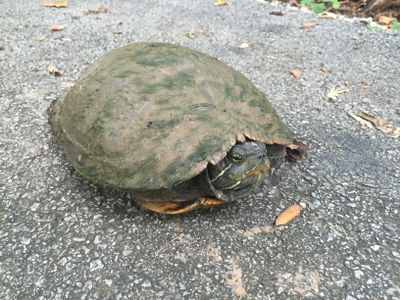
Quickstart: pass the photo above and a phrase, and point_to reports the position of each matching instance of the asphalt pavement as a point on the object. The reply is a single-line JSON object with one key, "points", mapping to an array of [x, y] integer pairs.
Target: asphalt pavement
{"points": [[62, 237]]}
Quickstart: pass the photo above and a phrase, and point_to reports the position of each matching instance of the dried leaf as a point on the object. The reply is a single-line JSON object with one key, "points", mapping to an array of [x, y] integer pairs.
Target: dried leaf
{"points": [[53, 70], [355, 37], [277, 13], [385, 20], [243, 45], [364, 85], [40, 38], [189, 35], [295, 151], [57, 27], [257, 230], [101, 10], [220, 2], [326, 70], [288, 214], [58, 4], [327, 16], [383, 126], [295, 73], [1, 46], [375, 6], [335, 91], [360, 120], [65, 39], [307, 26]]}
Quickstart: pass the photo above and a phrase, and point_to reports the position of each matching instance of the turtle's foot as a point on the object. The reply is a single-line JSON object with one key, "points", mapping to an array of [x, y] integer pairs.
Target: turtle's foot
{"points": [[178, 207]]}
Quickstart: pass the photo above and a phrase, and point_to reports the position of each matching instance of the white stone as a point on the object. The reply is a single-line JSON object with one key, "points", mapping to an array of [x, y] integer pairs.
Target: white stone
{"points": [[40, 282], [146, 283], [108, 282], [78, 239], [96, 265], [35, 206], [97, 240], [88, 285], [126, 252], [375, 247], [25, 241], [358, 274], [182, 286]]}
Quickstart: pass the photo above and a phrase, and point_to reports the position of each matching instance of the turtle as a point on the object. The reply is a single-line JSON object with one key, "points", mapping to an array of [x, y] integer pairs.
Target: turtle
{"points": [[176, 128]]}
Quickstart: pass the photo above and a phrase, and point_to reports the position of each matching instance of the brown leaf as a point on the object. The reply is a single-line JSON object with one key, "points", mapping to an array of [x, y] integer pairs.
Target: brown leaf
{"points": [[383, 126], [327, 16], [220, 2], [295, 151], [53, 70], [40, 38], [101, 10], [65, 39], [189, 35], [257, 230], [277, 13], [355, 37], [360, 120], [1, 46], [57, 27], [335, 91], [307, 26], [385, 20], [58, 4], [364, 85], [295, 73], [326, 70], [288, 215], [380, 5]]}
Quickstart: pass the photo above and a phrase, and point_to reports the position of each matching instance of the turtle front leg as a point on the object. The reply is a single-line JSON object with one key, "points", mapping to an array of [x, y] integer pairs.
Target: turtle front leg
{"points": [[178, 207]]}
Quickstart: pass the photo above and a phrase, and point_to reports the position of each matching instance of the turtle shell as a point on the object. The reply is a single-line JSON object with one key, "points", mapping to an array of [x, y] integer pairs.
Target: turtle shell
{"points": [[151, 115]]}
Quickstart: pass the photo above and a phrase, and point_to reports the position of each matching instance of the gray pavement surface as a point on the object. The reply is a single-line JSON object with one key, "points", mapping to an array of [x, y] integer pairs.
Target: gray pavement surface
{"points": [[61, 237]]}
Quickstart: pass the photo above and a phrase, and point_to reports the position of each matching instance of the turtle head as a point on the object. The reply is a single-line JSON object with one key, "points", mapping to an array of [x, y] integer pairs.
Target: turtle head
{"points": [[240, 172]]}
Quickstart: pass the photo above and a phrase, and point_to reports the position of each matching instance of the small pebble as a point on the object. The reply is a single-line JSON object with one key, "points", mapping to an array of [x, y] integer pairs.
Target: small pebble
{"points": [[96, 265], [358, 274], [146, 283], [108, 282], [375, 247]]}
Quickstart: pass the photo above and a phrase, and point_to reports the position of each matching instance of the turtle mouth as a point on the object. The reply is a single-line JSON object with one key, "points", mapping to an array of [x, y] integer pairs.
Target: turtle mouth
{"points": [[244, 184], [259, 170], [253, 178], [256, 171]]}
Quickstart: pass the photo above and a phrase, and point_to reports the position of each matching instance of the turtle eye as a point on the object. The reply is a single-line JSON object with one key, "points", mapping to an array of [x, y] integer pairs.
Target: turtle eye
{"points": [[236, 157]]}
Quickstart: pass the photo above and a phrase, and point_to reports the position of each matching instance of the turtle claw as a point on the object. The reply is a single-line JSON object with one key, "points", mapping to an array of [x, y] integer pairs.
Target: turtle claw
{"points": [[210, 201], [169, 207], [178, 207]]}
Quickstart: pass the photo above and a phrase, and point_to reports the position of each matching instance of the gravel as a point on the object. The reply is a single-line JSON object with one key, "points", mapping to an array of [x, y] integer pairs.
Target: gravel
{"points": [[62, 237]]}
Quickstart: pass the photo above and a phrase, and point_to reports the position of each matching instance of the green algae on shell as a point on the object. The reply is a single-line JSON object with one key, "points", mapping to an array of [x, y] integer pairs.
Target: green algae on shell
{"points": [[150, 115]]}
